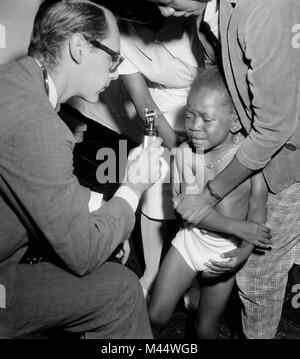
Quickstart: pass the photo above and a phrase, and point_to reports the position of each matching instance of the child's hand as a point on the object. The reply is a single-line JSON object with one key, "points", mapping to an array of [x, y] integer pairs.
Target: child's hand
{"points": [[254, 233]]}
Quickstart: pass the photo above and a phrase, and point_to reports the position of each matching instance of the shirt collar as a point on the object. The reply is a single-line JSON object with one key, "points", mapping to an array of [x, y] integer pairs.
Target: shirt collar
{"points": [[53, 97]]}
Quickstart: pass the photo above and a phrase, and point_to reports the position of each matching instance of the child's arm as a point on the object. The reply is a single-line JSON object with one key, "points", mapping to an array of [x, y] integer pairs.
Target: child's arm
{"points": [[138, 90], [214, 221], [257, 209], [250, 231], [253, 231], [257, 212]]}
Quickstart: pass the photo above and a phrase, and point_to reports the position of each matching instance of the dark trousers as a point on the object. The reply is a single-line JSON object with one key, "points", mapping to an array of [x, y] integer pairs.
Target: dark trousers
{"points": [[107, 303]]}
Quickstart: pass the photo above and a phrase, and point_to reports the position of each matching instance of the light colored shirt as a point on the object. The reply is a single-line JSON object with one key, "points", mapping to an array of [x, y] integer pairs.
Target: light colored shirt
{"points": [[52, 93], [211, 17], [53, 98], [168, 59]]}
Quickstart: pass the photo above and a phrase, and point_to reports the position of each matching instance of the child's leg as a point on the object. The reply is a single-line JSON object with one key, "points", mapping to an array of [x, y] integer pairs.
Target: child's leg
{"points": [[174, 277], [154, 234], [152, 245], [191, 296], [214, 296]]}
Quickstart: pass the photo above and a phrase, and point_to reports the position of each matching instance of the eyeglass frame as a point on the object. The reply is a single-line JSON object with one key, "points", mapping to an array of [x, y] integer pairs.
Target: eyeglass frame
{"points": [[116, 57]]}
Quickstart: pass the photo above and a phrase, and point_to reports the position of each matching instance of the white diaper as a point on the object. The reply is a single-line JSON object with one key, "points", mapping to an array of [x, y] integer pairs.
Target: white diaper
{"points": [[198, 248]]}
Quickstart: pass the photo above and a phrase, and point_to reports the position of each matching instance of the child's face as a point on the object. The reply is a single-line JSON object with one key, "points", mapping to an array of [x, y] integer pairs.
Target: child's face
{"points": [[208, 121]]}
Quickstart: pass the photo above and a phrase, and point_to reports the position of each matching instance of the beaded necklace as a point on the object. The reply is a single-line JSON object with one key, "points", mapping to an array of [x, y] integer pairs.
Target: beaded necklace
{"points": [[214, 164]]}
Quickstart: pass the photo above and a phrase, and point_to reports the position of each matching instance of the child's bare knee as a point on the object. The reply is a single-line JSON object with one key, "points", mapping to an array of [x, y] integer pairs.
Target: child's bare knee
{"points": [[158, 317]]}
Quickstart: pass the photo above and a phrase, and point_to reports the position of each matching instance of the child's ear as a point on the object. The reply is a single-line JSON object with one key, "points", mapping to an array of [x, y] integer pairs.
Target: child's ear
{"points": [[236, 125]]}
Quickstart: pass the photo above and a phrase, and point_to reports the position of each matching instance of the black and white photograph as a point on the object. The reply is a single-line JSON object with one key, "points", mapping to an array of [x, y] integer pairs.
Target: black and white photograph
{"points": [[149, 173]]}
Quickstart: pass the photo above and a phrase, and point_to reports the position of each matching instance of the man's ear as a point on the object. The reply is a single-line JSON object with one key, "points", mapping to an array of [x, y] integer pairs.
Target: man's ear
{"points": [[236, 125], [77, 47]]}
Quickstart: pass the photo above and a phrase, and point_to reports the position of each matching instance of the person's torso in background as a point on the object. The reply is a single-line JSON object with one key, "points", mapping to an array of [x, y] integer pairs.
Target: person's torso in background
{"points": [[169, 60]]}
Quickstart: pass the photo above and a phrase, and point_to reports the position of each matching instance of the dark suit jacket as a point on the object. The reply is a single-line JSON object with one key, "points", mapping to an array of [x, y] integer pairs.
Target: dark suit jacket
{"points": [[262, 68], [41, 201]]}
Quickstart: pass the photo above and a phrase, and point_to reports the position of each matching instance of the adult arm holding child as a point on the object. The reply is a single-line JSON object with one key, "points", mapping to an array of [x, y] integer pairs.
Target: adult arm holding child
{"points": [[193, 208], [251, 230], [257, 213]]}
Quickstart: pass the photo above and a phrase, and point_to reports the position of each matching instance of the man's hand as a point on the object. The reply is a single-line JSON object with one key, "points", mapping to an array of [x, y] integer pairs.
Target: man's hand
{"points": [[237, 258], [144, 167], [123, 253], [254, 233]]}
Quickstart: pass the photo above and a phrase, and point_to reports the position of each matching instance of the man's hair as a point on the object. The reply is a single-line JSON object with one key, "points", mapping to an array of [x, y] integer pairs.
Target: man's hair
{"points": [[212, 79], [57, 20]]}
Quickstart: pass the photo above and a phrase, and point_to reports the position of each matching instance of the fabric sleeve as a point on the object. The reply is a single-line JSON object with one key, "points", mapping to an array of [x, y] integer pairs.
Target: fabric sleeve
{"points": [[273, 81], [127, 68], [37, 163]]}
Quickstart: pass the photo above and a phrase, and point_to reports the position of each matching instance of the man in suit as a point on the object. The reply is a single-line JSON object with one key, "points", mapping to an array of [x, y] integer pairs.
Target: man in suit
{"points": [[261, 62], [53, 249]]}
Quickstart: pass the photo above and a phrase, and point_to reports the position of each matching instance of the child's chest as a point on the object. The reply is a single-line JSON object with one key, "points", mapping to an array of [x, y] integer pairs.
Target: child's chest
{"points": [[196, 175], [235, 204]]}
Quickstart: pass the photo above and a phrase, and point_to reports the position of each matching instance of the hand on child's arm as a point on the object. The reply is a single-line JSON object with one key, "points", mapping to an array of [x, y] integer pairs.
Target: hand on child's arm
{"points": [[254, 233], [237, 258]]}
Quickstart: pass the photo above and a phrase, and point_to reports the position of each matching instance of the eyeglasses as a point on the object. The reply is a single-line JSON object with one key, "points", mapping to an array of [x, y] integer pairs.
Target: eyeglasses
{"points": [[116, 57]]}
